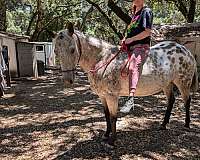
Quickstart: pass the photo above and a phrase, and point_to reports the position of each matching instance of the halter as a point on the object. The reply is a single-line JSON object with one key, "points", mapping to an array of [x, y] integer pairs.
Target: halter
{"points": [[80, 53]]}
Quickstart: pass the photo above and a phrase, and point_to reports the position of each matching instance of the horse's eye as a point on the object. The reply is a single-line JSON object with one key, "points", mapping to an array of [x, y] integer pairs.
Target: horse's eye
{"points": [[61, 36], [72, 50]]}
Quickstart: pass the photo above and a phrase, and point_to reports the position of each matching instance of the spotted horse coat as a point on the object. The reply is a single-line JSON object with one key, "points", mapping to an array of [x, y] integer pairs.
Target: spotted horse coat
{"points": [[168, 64]]}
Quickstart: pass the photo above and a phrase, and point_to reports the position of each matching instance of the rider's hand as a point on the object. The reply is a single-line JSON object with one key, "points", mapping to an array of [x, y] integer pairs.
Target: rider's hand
{"points": [[122, 41]]}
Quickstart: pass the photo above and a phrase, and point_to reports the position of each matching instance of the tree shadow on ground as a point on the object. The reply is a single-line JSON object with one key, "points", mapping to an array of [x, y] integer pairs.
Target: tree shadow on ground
{"points": [[148, 143], [79, 108], [43, 96]]}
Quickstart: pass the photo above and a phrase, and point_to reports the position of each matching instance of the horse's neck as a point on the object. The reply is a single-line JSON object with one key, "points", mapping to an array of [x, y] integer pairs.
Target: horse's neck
{"points": [[92, 52]]}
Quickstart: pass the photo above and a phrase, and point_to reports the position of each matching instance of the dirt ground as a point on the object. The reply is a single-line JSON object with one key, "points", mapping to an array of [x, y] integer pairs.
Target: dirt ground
{"points": [[40, 119]]}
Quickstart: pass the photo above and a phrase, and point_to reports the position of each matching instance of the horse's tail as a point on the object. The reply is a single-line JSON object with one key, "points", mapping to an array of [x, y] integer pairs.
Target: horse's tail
{"points": [[195, 82]]}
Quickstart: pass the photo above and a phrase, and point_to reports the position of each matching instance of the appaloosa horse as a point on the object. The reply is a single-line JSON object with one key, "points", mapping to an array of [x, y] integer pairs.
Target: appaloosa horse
{"points": [[168, 63]]}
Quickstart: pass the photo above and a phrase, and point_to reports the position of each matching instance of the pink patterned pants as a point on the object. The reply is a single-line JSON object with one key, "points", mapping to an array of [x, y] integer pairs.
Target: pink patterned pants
{"points": [[138, 58]]}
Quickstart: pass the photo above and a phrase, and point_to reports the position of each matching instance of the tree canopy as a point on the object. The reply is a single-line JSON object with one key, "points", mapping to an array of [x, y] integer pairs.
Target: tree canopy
{"points": [[104, 19]]}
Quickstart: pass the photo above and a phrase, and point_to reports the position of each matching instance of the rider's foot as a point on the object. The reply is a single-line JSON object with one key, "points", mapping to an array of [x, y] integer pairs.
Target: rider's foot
{"points": [[128, 105]]}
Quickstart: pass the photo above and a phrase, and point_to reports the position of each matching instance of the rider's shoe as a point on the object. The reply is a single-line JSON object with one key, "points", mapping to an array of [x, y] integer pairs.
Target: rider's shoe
{"points": [[128, 105]]}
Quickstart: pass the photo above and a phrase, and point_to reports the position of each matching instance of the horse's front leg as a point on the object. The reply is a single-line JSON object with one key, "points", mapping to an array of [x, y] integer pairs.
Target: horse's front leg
{"points": [[112, 102], [108, 121]]}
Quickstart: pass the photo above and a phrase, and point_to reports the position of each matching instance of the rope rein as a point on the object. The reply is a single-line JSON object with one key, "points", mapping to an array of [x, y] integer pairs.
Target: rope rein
{"points": [[123, 48]]}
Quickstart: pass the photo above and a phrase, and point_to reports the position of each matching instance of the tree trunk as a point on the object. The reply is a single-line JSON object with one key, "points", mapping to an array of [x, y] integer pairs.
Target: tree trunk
{"points": [[187, 12], [39, 25], [2, 15], [191, 12]]}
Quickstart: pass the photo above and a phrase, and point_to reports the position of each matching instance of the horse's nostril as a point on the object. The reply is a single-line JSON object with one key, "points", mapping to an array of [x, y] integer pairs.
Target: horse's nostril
{"points": [[70, 81], [61, 37]]}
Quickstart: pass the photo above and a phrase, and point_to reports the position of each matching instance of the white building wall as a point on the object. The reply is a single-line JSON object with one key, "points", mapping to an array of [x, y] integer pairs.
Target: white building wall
{"points": [[10, 43]]}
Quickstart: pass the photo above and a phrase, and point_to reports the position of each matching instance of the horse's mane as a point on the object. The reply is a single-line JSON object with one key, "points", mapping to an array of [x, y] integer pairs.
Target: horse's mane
{"points": [[99, 43]]}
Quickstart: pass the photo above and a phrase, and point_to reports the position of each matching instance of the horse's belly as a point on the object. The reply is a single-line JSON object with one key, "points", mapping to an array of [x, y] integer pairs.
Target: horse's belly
{"points": [[148, 85]]}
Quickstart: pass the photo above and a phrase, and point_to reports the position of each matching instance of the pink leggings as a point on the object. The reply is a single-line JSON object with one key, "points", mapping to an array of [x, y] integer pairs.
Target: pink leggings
{"points": [[138, 58]]}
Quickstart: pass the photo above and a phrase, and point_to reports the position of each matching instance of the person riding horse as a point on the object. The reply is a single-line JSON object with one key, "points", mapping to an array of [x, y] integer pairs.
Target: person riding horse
{"points": [[137, 39]]}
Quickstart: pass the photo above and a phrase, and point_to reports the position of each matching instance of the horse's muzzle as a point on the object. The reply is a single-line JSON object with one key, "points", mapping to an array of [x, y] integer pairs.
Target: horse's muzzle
{"points": [[71, 82]]}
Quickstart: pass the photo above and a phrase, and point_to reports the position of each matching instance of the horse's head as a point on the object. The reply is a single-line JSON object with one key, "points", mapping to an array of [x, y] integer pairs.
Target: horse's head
{"points": [[67, 51]]}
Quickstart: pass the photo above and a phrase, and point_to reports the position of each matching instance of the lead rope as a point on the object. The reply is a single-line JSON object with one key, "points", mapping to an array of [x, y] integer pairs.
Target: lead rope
{"points": [[123, 48]]}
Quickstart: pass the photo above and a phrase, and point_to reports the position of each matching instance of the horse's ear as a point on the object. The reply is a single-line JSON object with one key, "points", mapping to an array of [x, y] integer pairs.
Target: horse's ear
{"points": [[70, 27], [52, 34]]}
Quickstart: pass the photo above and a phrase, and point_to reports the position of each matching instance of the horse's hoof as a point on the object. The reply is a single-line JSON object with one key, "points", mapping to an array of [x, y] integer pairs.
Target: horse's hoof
{"points": [[105, 138], [162, 127], [187, 126], [109, 146], [109, 143]]}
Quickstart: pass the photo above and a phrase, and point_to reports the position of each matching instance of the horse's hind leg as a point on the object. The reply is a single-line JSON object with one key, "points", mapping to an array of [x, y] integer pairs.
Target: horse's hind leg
{"points": [[107, 115], [170, 97], [185, 93], [187, 108]]}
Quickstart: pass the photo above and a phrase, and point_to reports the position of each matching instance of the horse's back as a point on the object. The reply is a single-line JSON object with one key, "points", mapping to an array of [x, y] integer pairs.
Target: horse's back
{"points": [[171, 55]]}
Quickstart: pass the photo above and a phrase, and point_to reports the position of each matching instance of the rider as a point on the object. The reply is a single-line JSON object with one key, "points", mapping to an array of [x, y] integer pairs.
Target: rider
{"points": [[137, 38]]}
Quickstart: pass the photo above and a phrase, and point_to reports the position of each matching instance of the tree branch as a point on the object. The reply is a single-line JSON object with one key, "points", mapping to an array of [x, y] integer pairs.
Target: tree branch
{"points": [[117, 10], [82, 26], [107, 18], [67, 6]]}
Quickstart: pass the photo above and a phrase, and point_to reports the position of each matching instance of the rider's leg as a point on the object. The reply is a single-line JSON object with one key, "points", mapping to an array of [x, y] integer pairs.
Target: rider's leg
{"points": [[138, 58], [133, 79]]}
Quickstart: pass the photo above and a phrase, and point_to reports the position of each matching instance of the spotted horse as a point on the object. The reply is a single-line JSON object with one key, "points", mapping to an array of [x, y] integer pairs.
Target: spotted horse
{"points": [[168, 64]]}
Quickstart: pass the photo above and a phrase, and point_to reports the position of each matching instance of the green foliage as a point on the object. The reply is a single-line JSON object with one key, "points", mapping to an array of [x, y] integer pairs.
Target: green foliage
{"points": [[17, 21], [197, 15], [27, 17]]}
